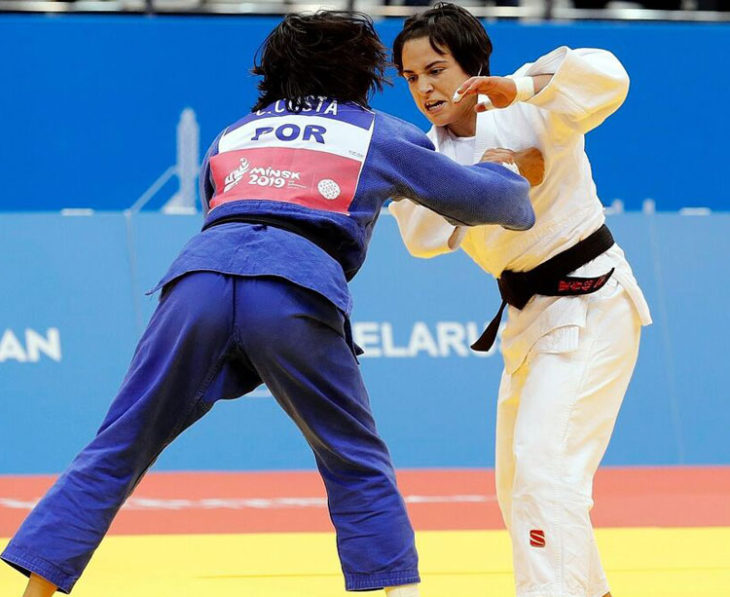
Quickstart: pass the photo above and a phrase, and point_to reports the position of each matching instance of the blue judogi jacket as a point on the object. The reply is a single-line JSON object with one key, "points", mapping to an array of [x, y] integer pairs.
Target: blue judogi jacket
{"points": [[296, 195]]}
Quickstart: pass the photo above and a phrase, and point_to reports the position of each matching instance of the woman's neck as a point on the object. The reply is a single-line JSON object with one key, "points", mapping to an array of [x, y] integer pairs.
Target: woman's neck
{"points": [[464, 128]]}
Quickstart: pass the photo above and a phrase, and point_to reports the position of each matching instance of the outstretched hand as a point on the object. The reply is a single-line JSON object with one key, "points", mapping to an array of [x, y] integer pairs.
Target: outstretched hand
{"points": [[500, 91]]}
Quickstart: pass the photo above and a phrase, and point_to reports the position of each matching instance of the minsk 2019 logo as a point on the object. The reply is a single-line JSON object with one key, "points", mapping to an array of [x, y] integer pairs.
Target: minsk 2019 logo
{"points": [[275, 177], [267, 176], [234, 177]]}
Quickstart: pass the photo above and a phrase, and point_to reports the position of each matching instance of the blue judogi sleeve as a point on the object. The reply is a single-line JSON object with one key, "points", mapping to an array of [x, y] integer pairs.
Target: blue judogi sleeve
{"points": [[485, 193], [332, 187]]}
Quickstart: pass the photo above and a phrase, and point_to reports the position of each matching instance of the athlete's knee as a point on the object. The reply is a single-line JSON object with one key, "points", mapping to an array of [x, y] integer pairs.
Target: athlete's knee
{"points": [[536, 483], [535, 460], [538, 471]]}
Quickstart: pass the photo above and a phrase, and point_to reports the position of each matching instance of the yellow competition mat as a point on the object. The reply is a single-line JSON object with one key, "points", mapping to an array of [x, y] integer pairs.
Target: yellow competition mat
{"points": [[640, 562]]}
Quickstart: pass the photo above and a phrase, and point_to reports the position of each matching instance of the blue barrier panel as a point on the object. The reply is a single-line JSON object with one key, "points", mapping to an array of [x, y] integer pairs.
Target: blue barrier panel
{"points": [[66, 328], [89, 119], [72, 308]]}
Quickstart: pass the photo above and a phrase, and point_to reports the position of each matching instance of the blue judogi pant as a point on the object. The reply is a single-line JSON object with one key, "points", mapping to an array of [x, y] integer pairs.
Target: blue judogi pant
{"points": [[215, 336]]}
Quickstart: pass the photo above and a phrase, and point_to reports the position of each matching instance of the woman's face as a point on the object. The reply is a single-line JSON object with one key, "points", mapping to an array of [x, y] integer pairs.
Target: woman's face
{"points": [[432, 80]]}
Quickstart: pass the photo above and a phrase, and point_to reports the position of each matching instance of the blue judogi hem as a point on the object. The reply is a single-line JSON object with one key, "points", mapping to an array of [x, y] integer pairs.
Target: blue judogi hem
{"points": [[374, 582], [26, 563]]}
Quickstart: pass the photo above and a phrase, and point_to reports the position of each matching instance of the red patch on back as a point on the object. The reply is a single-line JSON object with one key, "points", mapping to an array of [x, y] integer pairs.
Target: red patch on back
{"points": [[306, 177]]}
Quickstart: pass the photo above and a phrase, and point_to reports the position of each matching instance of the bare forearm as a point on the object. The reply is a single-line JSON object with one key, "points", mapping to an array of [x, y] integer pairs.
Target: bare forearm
{"points": [[541, 81]]}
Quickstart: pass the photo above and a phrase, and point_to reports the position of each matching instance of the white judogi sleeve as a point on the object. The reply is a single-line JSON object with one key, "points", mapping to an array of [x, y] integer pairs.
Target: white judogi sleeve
{"points": [[587, 86], [425, 233]]}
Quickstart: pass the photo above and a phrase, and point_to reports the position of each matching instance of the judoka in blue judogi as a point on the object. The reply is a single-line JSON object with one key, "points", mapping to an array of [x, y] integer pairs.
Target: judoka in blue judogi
{"points": [[260, 295]]}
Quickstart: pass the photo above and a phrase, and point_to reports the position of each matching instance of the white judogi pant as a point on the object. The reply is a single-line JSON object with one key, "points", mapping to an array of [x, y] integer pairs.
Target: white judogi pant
{"points": [[555, 416]]}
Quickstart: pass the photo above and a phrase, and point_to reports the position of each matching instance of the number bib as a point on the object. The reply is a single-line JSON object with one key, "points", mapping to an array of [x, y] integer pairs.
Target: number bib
{"points": [[309, 159]]}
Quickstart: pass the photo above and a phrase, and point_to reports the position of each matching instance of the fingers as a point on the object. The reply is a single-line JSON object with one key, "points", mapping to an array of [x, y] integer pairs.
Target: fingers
{"points": [[471, 86], [484, 106], [501, 151], [498, 155], [461, 91], [532, 165]]}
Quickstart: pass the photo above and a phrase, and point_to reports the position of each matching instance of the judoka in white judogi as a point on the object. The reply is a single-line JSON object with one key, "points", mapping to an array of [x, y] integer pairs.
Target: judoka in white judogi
{"points": [[567, 360]]}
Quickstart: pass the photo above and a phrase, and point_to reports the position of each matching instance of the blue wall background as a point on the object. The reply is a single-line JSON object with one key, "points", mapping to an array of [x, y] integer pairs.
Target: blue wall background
{"points": [[88, 111], [85, 277], [89, 104]]}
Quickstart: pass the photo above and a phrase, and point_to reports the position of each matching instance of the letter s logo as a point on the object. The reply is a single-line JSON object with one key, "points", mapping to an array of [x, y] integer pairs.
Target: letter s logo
{"points": [[537, 538]]}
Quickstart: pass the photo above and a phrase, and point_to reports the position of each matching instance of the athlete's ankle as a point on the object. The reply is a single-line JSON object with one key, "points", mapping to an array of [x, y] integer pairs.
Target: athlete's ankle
{"points": [[39, 587], [402, 591]]}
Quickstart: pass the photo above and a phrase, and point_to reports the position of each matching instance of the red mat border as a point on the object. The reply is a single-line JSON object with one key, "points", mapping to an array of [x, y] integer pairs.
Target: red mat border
{"points": [[438, 499]]}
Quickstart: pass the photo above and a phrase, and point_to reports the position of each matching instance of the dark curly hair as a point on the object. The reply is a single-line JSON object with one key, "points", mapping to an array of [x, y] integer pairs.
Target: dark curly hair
{"points": [[449, 26], [334, 54]]}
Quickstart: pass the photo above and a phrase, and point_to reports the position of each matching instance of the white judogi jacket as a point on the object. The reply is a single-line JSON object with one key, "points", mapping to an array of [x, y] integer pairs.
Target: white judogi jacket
{"points": [[587, 86]]}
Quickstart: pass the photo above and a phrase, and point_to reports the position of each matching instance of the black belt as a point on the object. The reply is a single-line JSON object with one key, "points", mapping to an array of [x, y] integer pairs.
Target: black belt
{"points": [[550, 279], [288, 225]]}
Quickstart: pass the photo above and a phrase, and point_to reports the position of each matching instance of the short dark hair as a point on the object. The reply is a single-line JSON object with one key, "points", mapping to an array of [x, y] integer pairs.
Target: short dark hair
{"points": [[335, 54], [453, 27]]}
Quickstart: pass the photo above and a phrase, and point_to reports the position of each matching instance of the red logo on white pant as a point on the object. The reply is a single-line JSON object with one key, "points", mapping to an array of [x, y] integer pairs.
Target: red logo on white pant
{"points": [[537, 538]]}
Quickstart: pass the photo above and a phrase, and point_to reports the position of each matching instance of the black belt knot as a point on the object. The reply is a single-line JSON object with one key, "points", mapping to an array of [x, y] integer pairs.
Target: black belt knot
{"points": [[549, 279]]}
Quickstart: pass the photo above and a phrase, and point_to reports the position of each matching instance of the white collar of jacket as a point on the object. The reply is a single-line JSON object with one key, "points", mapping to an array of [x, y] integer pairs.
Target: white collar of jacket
{"points": [[437, 134]]}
